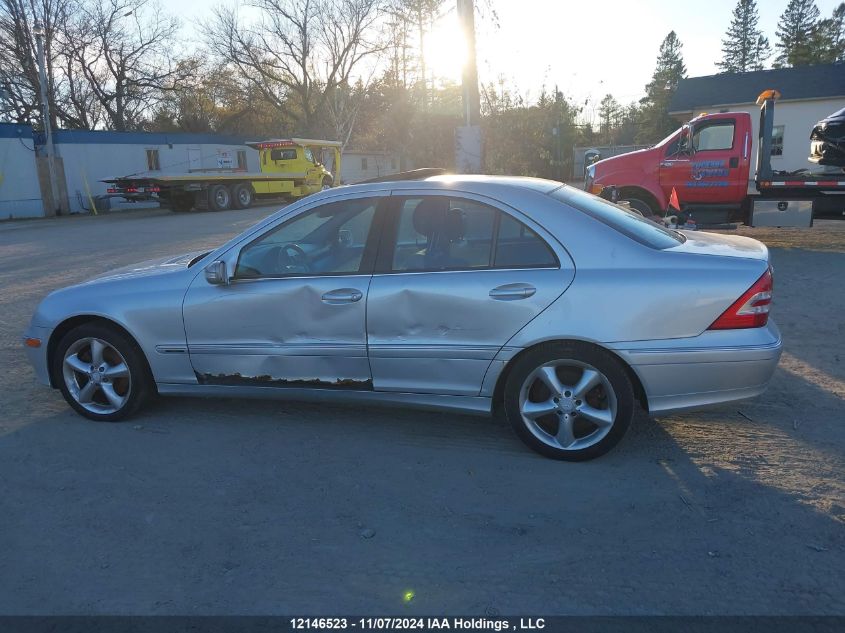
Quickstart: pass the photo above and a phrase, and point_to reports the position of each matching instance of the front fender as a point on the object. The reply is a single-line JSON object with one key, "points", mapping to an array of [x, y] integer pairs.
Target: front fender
{"points": [[149, 309]]}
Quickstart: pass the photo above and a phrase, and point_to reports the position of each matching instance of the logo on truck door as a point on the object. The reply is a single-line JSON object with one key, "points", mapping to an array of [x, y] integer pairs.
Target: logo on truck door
{"points": [[704, 170]]}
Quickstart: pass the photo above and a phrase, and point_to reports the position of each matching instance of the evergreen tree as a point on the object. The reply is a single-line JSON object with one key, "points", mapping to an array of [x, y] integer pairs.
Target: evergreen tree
{"points": [[743, 47], [762, 52], [608, 117], [669, 70], [796, 34], [829, 38]]}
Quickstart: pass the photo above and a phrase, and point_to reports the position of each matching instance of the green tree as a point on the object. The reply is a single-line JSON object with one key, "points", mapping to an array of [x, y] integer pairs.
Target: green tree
{"points": [[796, 34], [668, 72], [828, 42], [744, 47], [608, 118]]}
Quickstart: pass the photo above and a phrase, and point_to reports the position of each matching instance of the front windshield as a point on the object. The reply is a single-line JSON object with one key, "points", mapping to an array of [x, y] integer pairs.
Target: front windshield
{"points": [[308, 155]]}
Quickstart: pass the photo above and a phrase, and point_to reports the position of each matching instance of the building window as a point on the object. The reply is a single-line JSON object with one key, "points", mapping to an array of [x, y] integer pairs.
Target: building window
{"points": [[364, 164], [153, 163], [242, 159], [777, 140]]}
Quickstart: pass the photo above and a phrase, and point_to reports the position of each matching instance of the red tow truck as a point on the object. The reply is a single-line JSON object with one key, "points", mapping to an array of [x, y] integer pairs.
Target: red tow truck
{"points": [[707, 162]]}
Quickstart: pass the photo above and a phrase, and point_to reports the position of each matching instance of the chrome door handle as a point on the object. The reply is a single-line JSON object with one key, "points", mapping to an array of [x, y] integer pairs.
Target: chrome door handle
{"points": [[666, 163], [342, 295], [511, 292]]}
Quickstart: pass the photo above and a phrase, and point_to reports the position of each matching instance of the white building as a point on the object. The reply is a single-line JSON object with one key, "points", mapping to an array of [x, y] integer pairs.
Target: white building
{"points": [[358, 165], [20, 193], [808, 93]]}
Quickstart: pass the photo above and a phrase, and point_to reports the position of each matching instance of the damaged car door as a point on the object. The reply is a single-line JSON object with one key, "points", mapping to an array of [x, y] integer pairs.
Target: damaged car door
{"points": [[456, 278], [292, 312]]}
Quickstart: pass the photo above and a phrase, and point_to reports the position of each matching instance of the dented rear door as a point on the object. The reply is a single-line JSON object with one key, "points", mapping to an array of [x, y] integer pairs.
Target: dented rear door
{"points": [[437, 330]]}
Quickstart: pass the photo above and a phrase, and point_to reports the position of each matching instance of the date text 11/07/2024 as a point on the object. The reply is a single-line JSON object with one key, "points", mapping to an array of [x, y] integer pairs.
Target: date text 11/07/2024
{"points": [[418, 624]]}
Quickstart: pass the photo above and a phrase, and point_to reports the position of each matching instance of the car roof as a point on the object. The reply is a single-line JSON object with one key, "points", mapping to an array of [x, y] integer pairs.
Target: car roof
{"points": [[460, 182]]}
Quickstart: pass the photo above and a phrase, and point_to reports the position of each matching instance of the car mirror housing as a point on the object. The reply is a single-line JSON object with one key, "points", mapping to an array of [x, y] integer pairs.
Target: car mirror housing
{"points": [[215, 273]]}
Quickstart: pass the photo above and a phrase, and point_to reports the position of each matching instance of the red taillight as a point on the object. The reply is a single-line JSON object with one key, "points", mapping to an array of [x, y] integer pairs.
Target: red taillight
{"points": [[751, 309]]}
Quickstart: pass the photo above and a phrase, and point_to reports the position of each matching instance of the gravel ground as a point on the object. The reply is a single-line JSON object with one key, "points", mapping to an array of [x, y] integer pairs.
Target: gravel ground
{"points": [[244, 507]]}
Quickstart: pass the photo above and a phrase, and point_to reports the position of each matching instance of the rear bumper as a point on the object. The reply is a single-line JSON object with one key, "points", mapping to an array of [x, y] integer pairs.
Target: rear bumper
{"points": [[713, 368]]}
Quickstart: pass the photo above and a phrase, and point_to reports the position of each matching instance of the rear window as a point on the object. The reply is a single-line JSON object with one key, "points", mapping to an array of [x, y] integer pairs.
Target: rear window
{"points": [[623, 220]]}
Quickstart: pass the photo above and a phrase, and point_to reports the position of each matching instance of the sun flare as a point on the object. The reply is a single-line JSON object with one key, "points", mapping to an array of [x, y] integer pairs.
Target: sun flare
{"points": [[445, 50]]}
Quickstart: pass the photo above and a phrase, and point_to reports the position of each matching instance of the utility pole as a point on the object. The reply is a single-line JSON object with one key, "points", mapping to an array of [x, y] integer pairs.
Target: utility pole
{"points": [[468, 142], [469, 79], [38, 31]]}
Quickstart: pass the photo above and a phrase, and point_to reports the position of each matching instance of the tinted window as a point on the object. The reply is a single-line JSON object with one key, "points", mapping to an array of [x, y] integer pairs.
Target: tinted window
{"points": [[518, 246], [327, 240], [626, 222], [713, 136], [440, 233]]}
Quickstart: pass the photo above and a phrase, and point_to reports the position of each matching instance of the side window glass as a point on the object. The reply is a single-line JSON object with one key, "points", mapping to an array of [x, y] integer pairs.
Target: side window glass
{"points": [[715, 136], [674, 146], [283, 154], [518, 246], [442, 233], [327, 240]]}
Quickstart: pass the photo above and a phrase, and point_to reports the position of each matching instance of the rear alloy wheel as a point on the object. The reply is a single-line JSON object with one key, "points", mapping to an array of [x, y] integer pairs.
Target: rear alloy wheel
{"points": [[242, 196], [219, 198], [101, 374], [569, 401]]}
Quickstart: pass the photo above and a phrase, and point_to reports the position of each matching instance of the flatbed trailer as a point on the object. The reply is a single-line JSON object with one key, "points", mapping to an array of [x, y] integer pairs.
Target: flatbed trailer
{"points": [[288, 170], [787, 198]]}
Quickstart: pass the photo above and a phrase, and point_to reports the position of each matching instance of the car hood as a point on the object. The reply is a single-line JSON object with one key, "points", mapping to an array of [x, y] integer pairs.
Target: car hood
{"points": [[150, 267], [703, 243]]}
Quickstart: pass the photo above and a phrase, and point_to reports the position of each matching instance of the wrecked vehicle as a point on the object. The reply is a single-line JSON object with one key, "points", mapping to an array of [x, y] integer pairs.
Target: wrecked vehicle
{"points": [[827, 140], [470, 294]]}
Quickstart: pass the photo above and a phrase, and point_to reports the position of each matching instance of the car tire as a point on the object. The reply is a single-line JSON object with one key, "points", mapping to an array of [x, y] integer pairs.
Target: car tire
{"points": [[326, 184], [123, 382], [569, 401], [242, 196], [219, 198], [640, 206]]}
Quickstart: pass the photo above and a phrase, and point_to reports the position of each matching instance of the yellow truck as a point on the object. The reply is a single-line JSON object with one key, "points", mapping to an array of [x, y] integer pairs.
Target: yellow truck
{"points": [[290, 168]]}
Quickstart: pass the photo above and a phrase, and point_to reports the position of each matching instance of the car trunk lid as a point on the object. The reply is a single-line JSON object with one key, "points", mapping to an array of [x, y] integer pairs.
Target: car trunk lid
{"points": [[703, 243]]}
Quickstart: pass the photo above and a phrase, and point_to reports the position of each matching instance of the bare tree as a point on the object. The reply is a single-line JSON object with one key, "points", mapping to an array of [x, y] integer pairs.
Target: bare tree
{"points": [[19, 89], [124, 51], [298, 53]]}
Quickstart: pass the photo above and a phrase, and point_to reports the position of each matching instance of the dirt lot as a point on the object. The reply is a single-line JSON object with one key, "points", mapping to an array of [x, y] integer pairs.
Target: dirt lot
{"points": [[202, 507]]}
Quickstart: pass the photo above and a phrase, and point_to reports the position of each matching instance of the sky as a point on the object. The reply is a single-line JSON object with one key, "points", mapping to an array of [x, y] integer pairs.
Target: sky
{"points": [[588, 48]]}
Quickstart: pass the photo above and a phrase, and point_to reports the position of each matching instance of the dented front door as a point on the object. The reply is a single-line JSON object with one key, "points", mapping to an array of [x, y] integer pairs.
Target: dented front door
{"points": [[294, 313]]}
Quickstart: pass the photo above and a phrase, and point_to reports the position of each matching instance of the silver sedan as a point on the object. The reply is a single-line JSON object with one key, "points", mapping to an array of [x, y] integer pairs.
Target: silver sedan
{"points": [[462, 293]]}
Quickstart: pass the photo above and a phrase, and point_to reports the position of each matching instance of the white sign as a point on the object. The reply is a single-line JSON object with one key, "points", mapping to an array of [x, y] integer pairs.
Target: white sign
{"points": [[224, 159]]}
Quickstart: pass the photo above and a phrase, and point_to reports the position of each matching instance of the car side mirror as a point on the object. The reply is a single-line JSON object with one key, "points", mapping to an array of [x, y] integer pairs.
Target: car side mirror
{"points": [[215, 273]]}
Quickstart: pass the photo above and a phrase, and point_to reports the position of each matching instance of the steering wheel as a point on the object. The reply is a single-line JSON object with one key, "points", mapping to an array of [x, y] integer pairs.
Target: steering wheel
{"points": [[292, 256]]}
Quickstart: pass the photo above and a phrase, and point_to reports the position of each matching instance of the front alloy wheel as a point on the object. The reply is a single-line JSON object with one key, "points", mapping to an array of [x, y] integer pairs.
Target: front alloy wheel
{"points": [[100, 372], [97, 376]]}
